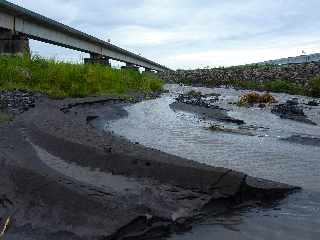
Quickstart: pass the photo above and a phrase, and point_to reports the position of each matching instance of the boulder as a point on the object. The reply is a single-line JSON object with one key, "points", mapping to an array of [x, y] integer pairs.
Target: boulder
{"points": [[291, 110]]}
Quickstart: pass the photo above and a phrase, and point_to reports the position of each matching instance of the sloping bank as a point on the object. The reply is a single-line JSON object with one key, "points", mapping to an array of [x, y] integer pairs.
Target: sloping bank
{"points": [[61, 178]]}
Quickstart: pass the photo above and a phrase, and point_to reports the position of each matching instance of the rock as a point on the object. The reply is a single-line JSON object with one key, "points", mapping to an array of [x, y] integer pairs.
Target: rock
{"points": [[218, 128], [206, 112], [91, 118], [290, 110], [262, 105], [313, 103], [304, 140], [293, 102], [17, 101], [196, 98], [255, 188], [295, 73], [232, 120]]}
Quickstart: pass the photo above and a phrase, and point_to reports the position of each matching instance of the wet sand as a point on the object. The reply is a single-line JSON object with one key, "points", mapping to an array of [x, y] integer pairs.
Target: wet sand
{"points": [[61, 178]]}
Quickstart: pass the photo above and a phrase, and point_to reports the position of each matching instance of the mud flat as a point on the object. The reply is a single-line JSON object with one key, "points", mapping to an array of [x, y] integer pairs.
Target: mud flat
{"points": [[62, 178]]}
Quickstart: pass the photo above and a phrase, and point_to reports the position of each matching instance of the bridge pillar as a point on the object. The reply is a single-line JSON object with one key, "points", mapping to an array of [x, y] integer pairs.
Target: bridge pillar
{"points": [[12, 43], [130, 66], [148, 70], [97, 59]]}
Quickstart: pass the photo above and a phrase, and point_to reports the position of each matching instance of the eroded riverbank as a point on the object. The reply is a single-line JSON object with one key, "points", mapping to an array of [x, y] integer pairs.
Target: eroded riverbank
{"points": [[63, 179]]}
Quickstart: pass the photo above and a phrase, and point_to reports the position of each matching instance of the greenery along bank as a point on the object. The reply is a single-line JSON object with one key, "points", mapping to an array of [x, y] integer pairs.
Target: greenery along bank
{"points": [[301, 79], [60, 79]]}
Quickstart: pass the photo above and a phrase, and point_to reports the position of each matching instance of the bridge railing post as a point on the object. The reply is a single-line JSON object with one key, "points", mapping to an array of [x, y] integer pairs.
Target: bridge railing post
{"points": [[12, 43]]}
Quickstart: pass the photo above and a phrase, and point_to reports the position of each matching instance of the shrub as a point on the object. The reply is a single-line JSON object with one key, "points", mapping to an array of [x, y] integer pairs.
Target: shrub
{"points": [[254, 98], [267, 98], [284, 86], [314, 87], [272, 86]]}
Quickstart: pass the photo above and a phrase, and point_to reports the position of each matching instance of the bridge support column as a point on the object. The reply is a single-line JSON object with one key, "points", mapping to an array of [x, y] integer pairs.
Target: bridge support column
{"points": [[148, 70], [13, 43], [97, 59], [130, 66]]}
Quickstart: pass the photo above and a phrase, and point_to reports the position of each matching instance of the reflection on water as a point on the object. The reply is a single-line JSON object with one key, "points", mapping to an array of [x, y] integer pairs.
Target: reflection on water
{"points": [[154, 124]]}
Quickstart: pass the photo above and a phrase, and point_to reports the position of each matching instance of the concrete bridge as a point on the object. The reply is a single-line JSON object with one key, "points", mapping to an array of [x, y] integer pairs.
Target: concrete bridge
{"points": [[18, 25]]}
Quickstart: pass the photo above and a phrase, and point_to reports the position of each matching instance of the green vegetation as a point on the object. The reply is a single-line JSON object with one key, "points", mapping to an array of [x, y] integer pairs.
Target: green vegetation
{"points": [[314, 88], [60, 79], [285, 86], [272, 86]]}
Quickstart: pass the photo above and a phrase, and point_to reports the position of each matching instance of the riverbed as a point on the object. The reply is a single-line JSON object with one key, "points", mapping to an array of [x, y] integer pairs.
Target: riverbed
{"points": [[156, 125]]}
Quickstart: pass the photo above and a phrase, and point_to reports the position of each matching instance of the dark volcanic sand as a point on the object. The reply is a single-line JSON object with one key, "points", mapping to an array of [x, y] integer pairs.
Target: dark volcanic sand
{"points": [[63, 179]]}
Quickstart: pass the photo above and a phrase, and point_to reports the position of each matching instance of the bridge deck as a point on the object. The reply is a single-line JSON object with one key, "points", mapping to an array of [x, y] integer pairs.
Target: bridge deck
{"points": [[41, 28]]}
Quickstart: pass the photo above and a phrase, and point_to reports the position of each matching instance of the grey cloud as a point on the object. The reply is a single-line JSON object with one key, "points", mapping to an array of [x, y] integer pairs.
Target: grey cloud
{"points": [[168, 28]]}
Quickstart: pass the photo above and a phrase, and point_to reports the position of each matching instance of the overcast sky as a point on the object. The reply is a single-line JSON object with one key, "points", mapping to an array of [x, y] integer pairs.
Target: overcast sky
{"points": [[190, 34]]}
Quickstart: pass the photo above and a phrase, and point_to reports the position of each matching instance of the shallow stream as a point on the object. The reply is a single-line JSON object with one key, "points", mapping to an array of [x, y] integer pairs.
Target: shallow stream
{"points": [[155, 124]]}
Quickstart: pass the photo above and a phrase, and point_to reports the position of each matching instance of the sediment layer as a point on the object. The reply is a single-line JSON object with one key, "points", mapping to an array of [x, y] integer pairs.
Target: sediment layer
{"points": [[148, 193]]}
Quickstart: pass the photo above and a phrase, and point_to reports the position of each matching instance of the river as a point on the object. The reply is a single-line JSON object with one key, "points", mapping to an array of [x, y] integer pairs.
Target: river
{"points": [[154, 124]]}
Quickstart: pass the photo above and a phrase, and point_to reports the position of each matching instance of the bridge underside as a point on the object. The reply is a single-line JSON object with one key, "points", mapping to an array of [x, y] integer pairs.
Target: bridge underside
{"points": [[12, 43], [18, 24]]}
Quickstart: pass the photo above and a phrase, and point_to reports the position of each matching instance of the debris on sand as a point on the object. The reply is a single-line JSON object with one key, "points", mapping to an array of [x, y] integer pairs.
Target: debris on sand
{"points": [[5, 227]]}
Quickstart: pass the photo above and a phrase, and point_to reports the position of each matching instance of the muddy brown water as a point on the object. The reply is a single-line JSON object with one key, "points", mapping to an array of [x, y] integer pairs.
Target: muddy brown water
{"points": [[154, 124]]}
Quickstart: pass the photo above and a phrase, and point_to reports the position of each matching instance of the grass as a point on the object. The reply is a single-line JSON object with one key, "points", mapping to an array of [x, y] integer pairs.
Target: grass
{"points": [[61, 79], [282, 86]]}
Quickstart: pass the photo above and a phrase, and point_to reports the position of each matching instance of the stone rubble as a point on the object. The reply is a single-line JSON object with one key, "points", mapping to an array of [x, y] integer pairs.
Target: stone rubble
{"points": [[198, 99], [295, 73], [17, 101], [291, 110]]}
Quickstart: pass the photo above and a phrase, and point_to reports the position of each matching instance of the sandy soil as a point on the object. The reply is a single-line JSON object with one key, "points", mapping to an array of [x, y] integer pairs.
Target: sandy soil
{"points": [[62, 178]]}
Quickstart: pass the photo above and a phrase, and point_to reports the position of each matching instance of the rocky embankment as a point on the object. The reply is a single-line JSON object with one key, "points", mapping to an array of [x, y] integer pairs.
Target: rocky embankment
{"points": [[61, 178], [295, 73]]}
